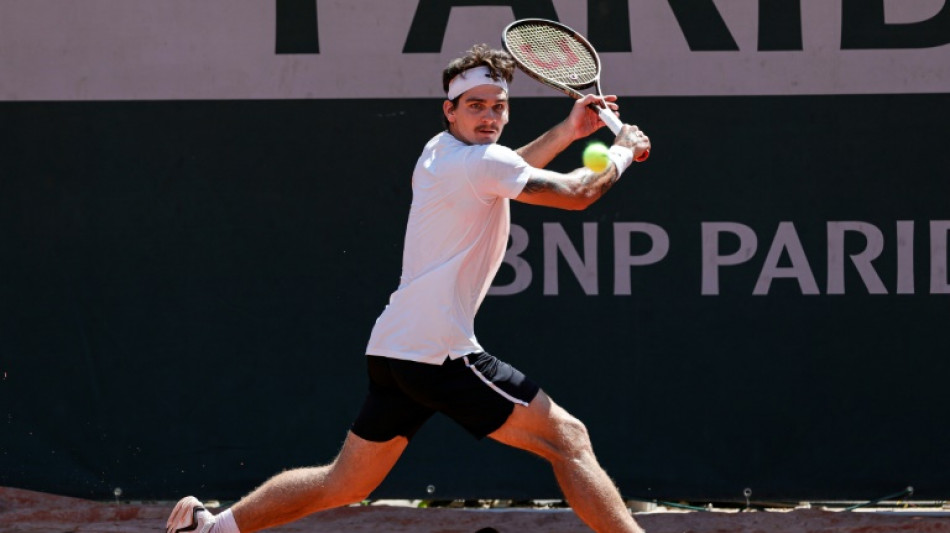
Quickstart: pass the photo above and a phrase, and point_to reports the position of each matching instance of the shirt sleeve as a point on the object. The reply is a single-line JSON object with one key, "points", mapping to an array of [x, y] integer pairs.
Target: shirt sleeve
{"points": [[496, 170]]}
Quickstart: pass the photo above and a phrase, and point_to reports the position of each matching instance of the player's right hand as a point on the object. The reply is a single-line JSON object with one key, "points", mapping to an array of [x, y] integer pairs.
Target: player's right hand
{"points": [[633, 138]]}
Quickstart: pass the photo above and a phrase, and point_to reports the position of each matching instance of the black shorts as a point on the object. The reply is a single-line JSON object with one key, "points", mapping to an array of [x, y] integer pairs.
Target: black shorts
{"points": [[478, 391]]}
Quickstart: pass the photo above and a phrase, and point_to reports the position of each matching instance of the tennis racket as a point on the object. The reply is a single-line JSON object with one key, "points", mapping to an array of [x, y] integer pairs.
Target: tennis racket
{"points": [[558, 57]]}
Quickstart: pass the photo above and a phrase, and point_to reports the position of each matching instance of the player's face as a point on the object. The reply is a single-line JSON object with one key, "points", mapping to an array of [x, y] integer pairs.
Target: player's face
{"points": [[480, 115]]}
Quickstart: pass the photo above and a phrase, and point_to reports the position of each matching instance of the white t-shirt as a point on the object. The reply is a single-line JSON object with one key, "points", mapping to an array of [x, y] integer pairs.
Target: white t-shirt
{"points": [[456, 238]]}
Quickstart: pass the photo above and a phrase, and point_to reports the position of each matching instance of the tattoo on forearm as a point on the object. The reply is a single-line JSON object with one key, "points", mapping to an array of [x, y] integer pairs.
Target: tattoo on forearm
{"points": [[536, 185], [612, 177], [603, 182], [590, 185]]}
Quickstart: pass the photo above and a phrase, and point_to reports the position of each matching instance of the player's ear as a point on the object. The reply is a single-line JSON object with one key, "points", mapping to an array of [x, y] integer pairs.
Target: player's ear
{"points": [[449, 110]]}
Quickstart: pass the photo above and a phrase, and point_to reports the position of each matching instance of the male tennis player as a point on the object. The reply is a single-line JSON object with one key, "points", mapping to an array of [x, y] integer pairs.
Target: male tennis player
{"points": [[423, 356]]}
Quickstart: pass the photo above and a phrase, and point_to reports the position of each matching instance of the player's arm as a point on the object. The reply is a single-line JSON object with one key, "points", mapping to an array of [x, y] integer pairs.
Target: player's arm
{"points": [[575, 190], [581, 122], [582, 187]]}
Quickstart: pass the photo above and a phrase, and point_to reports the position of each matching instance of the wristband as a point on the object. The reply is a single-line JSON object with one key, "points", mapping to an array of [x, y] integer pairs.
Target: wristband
{"points": [[621, 156]]}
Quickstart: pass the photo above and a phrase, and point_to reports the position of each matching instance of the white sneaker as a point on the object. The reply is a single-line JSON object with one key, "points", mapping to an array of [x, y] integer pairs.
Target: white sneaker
{"points": [[189, 515]]}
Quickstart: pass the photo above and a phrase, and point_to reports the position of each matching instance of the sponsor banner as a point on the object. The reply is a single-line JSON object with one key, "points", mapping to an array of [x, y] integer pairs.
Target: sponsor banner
{"points": [[786, 260], [763, 304], [292, 49]]}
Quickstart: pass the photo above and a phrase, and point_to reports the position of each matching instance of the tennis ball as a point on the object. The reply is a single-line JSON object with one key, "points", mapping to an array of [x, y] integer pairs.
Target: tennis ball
{"points": [[595, 156]]}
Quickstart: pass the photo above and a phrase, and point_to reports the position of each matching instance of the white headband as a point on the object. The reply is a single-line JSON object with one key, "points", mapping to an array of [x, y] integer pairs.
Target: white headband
{"points": [[473, 77]]}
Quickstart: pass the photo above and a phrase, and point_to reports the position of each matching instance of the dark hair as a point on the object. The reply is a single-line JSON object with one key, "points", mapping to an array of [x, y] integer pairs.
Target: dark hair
{"points": [[499, 63]]}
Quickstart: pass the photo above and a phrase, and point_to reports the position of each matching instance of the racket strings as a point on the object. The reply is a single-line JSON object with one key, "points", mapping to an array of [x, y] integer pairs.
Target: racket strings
{"points": [[554, 54]]}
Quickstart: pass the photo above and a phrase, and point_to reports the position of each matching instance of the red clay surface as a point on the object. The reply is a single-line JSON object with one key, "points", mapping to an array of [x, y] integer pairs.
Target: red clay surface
{"points": [[26, 511]]}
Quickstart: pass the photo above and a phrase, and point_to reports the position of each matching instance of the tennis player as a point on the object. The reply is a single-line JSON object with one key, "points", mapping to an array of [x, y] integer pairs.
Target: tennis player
{"points": [[423, 356]]}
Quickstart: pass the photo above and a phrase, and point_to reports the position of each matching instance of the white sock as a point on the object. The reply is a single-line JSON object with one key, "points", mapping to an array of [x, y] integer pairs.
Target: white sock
{"points": [[224, 523]]}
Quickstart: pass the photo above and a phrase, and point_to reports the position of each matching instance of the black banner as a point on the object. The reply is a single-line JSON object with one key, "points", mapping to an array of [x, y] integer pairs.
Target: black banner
{"points": [[186, 290]]}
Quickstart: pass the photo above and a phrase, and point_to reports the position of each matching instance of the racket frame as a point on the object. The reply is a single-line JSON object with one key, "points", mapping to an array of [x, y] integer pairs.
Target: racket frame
{"points": [[572, 90]]}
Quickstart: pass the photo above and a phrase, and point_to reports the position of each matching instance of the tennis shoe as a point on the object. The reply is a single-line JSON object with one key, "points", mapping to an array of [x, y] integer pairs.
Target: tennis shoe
{"points": [[190, 516]]}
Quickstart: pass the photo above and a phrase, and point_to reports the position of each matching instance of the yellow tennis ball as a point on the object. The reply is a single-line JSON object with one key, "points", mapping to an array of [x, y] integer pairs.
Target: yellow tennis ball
{"points": [[595, 156]]}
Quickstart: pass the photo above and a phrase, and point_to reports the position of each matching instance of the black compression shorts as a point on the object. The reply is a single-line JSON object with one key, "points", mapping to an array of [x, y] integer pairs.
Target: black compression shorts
{"points": [[478, 391]]}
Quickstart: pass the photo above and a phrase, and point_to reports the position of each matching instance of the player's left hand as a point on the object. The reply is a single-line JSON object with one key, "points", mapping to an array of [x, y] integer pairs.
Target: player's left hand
{"points": [[584, 120]]}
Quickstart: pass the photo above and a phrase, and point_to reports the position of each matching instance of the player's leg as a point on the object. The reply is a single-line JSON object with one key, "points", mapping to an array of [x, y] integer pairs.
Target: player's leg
{"points": [[359, 468], [546, 429], [382, 430], [386, 422], [489, 397]]}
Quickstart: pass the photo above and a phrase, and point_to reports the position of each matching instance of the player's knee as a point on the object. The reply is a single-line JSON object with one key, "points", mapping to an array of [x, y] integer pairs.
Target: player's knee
{"points": [[573, 438]]}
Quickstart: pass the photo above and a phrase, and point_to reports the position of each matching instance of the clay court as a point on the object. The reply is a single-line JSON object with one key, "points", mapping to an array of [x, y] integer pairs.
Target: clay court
{"points": [[25, 511]]}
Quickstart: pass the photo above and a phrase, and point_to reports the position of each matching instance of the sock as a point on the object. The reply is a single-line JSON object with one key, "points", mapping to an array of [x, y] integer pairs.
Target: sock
{"points": [[224, 523]]}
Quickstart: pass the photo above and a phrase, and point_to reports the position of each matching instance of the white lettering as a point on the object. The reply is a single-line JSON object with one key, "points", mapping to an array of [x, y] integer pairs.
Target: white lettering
{"points": [[861, 261], [711, 260], [555, 240], [905, 257], [582, 257], [939, 234], [623, 259], [786, 239]]}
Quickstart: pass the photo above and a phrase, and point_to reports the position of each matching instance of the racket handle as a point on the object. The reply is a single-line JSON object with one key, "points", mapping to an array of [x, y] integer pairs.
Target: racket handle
{"points": [[613, 122]]}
